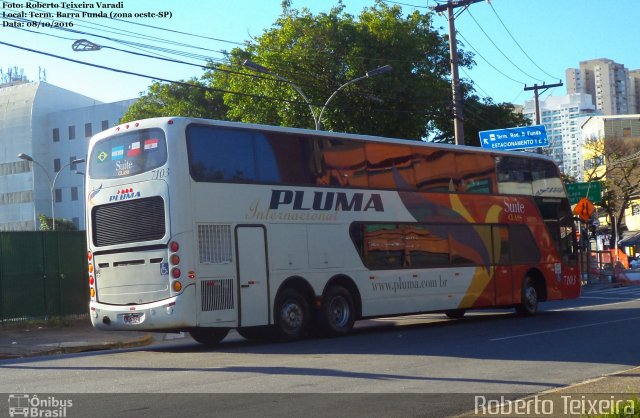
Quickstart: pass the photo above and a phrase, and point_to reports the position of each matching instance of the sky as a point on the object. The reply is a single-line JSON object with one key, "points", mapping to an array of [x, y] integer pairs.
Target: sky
{"points": [[516, 43]]}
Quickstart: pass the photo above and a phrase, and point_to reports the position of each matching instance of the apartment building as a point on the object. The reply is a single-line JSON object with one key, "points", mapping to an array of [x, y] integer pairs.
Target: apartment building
{"points": [[613, 88], [562, 117]]}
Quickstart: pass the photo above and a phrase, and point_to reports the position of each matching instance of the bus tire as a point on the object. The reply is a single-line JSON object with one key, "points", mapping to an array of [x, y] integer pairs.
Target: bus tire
{"points": [[337, 312], [209, 336], [455, 313], [291, 315], [529, 298]]}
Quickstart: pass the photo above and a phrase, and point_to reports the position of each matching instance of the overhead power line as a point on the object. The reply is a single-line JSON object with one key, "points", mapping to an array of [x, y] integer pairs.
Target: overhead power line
{"points": [[182, 83], [516, 42], [174, 31], [487, 61], [500, 50]]}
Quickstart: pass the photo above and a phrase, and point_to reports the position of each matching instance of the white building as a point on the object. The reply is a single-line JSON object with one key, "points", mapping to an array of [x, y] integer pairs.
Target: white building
{"points": [[52, 125], [561, 116]]}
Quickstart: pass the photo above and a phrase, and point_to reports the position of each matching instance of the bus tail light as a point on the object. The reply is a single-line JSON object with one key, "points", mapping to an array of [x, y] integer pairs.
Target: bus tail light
{"points": [[92, 281], [175, 260]]}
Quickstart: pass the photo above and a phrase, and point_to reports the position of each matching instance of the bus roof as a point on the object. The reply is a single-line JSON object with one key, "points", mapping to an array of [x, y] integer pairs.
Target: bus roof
{"points": [[328, 134]]}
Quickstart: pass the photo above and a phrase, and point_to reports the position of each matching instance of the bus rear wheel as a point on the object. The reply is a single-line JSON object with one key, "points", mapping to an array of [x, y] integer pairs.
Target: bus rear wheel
{"points": [[530, 298], [291, 315], [209, 336], [337, 313]]}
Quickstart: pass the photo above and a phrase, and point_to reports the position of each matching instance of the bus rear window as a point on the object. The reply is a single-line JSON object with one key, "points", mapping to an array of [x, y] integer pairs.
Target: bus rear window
{"points": [[128, 154]]}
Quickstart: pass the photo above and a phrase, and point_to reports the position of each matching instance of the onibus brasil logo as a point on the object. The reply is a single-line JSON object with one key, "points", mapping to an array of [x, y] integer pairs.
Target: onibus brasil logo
{"points": [[24, 405]]}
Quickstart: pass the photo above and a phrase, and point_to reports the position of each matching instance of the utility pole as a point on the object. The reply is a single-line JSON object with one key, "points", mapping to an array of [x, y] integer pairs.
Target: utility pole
{"points": [[536, 94], [535, 89], [458, 127]]}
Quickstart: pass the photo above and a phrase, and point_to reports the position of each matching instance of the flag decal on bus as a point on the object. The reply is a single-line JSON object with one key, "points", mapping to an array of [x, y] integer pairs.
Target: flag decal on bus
{"points": [[117, 153], [150, 144], [134, 149]]}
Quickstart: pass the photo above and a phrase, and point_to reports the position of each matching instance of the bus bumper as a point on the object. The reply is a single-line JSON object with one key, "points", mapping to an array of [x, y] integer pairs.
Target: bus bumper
{"points": [[175, 313]]}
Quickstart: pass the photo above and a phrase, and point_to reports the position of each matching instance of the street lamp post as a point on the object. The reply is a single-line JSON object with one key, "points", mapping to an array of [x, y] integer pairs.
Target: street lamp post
{"points": [[317, 117], [52, 183]]}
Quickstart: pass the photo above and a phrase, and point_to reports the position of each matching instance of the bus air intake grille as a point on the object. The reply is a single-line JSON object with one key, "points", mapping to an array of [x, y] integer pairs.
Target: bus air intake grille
{"points": [[136, 220], [214, 243], [217, 295]]}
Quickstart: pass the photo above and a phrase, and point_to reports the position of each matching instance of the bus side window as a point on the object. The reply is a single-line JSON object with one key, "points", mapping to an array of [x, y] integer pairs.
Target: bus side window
{"points": [[344, 163], [390, 166], [468, 244], [217, 154], [288, 157], [524, 249], [476, 173], [434, 170], [514, 175], [501, 247]]}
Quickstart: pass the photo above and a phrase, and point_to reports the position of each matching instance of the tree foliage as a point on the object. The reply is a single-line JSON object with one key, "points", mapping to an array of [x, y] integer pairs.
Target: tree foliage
{"points": [[614, 161], [191, 98], [61, 224], [321, 53]]}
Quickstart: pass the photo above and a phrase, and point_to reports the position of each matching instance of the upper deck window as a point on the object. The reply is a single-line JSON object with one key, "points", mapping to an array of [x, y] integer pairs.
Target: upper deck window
{"points": [[128, 154]]}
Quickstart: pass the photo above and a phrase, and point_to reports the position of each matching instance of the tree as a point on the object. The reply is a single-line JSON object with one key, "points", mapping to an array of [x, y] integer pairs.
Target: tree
{"points": [[61, 224], [188, 98], [616, 161], [484, 115], [319, 53]]}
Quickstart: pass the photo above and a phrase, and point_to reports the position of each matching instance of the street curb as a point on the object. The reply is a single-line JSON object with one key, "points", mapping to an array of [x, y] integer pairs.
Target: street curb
{"points": [[82, 347]]}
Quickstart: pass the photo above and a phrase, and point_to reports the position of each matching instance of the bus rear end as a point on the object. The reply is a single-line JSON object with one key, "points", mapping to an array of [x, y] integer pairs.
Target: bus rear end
{"points": [[134, 261]]}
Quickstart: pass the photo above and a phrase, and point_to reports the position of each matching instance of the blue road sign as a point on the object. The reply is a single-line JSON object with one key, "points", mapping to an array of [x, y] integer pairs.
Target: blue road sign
{"points": [[514, 138]]}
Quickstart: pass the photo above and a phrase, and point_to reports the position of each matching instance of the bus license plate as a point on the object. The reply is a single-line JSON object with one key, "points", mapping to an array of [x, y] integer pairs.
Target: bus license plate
{"points": [[133, 318]]}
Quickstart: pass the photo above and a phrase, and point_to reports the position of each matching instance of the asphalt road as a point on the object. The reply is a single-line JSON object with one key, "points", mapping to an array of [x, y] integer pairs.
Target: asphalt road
{"points": [[423, 365]]}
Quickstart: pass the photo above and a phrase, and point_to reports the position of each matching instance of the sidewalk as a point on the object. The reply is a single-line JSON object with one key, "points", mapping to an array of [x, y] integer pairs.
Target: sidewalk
{"points": [[31, 340]]}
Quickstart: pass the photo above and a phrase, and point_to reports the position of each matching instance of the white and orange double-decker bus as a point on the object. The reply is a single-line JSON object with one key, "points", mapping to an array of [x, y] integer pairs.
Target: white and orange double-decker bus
{"points": [[205, 226]]}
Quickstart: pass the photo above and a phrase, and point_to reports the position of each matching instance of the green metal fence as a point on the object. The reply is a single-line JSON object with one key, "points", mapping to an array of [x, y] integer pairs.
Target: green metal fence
{"points": [[42, 274]]}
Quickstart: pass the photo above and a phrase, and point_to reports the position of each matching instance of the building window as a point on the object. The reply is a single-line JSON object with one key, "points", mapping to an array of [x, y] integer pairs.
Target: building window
{"points": [[626, 132], [87, 130], [72, 132], [58, 193], [74, 194], [56, 135], [105, 125], [635, 210], [56, 165]]}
